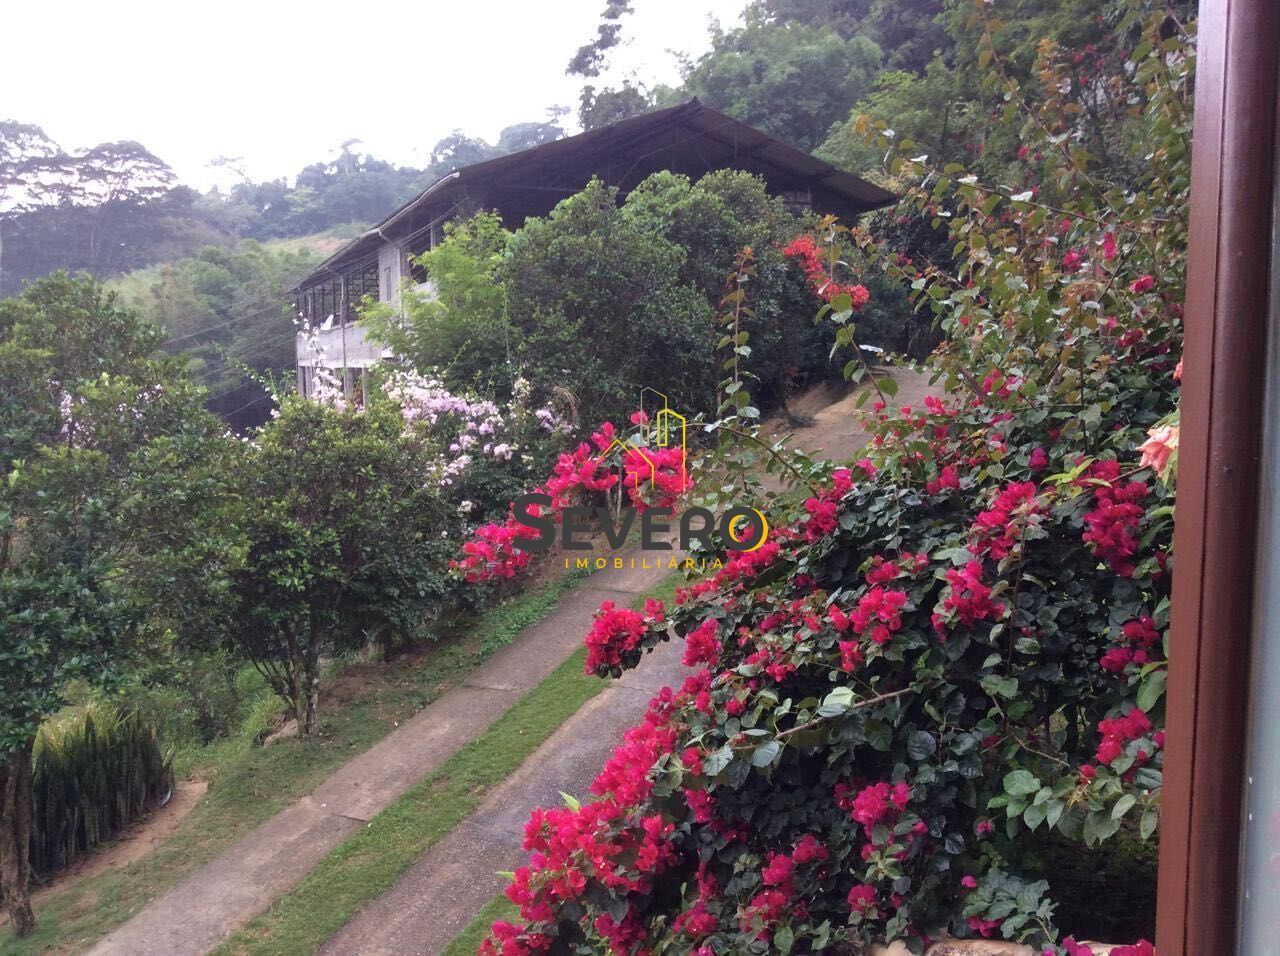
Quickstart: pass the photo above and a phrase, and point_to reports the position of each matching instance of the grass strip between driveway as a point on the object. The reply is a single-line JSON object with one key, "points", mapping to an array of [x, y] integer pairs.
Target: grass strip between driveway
{"points": [[468, 941], [370, 862], [249, 783]]}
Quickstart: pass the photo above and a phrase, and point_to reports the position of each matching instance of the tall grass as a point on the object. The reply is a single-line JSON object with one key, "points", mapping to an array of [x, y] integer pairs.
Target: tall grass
{"points": [[96, 770]]}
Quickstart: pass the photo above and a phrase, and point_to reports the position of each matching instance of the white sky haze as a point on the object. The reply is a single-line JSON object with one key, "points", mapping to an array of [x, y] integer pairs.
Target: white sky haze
{"points": [[282, 84]]}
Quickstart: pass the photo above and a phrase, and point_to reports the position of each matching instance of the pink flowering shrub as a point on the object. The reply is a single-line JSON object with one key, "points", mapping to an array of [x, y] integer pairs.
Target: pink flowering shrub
{"points": [[807, 253], [943, 651], [648, 476]]}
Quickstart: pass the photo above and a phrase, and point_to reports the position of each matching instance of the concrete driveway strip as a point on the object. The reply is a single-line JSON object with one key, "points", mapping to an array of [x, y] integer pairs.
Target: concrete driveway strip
{"points": [[441, 894], [244, 879]]}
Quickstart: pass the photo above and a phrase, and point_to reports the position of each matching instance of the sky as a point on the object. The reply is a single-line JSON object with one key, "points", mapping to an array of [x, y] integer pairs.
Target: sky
{"points": [[281, 83]]}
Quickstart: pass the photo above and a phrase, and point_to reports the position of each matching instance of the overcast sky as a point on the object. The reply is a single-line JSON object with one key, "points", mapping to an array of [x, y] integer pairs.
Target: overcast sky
{"points": [[282, 83]]}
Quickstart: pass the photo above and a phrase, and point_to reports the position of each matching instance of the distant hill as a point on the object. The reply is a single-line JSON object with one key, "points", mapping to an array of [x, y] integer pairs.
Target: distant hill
{"points": [[117, 208], [224, 308]]}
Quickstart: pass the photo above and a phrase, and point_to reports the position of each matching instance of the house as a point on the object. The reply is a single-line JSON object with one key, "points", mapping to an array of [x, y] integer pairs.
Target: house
{"points": [[689, 138]]}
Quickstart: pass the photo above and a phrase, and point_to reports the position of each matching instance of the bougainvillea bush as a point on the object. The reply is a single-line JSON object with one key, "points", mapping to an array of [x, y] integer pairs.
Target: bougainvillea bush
{"points": [[611, 469], [951, 643]]}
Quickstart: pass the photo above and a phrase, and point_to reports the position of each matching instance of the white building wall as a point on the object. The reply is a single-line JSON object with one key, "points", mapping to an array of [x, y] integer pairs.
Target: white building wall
{"points": [[390, 270]]}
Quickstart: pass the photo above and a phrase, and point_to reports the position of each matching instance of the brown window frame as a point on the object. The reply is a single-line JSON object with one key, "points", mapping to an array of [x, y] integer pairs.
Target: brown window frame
{"points": [[1228, 271]]}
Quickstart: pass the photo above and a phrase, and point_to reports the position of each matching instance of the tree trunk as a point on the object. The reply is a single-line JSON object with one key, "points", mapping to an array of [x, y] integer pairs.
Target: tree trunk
{"points": [[311, 678], [15, 838], [297, 681]]}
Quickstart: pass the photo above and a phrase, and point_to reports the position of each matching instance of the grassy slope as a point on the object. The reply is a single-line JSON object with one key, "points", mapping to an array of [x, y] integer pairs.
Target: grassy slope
{"points": [[368, 863], [249, 783]]}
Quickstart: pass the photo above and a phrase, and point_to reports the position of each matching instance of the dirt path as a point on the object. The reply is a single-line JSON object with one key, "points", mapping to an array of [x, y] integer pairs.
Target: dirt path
{"points": [[442, 893]]}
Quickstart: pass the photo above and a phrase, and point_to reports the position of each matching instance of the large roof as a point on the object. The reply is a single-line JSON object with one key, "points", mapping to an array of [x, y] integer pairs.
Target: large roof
{"points": [[689, 138]]}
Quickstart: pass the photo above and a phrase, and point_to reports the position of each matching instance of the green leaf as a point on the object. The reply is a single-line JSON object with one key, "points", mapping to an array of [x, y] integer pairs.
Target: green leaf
{"points": [[1035, 815], [1123, 805], [822, 935], [1021, 783], [783, 939], [1152, 689], [1053, 811], [717, 761], [921, 745], [837, 702], [1098, 826], [766, 753]]}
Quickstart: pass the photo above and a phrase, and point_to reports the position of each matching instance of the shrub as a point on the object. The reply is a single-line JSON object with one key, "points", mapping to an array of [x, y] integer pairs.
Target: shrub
{"points": [[599, 307], [459, 329], [95, 770], [954, 641], [110, 536]]}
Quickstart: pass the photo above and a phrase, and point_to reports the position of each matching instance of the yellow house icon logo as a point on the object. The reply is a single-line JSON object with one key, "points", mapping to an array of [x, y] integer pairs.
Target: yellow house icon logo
{"points": [[658, 429]]}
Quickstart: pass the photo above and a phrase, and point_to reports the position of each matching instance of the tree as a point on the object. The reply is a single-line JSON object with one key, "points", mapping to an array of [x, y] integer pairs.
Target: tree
{"points": [[591, 57], [790, 80], [597, 108], [344, 538], [92, 422], [460, 329], [457, 150], [224, 310], [909, 31], [599, 307], [528, 135]]}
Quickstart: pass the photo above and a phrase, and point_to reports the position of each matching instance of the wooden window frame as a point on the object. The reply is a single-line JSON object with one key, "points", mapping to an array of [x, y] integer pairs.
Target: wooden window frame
{"points": [[1228, 272]]}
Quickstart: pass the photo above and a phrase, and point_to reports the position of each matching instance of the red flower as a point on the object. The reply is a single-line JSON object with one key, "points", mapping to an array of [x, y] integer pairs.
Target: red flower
{"points": [[983, 927], [1110, 525], [862, 899], [701, 644], [967, 599], [614, 632]]}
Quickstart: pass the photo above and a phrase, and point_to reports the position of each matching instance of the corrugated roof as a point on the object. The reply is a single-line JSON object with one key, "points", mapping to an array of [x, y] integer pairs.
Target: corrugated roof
{"points": [[622, 153]]}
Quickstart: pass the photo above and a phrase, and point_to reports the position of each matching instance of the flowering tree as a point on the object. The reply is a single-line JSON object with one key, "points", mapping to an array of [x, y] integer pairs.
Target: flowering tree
{"points": [[956, 640]]}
